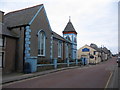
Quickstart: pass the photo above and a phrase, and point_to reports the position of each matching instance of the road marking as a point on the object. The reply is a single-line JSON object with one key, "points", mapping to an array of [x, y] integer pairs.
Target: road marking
{"points": [[111, 73]]}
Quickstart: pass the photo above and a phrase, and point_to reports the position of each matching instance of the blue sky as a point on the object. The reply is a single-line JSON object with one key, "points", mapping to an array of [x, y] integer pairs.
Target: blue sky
{"points": [[96, 21]]}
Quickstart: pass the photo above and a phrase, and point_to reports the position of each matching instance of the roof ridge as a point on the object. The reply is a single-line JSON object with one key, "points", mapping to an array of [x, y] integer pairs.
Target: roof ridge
{"points": [[58, 34], [23, 9], [60, 37]]}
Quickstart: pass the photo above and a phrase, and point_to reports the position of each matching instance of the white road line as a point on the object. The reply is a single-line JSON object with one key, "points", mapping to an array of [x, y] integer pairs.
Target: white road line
{"points": [[111, 73]]}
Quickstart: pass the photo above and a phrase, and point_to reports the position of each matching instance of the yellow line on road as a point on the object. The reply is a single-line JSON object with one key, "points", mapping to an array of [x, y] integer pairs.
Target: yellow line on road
{"points": [[111, 73]]}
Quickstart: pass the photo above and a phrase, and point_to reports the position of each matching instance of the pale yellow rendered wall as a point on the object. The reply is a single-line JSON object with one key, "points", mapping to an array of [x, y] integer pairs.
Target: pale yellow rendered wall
{"points": [[86, 54]]}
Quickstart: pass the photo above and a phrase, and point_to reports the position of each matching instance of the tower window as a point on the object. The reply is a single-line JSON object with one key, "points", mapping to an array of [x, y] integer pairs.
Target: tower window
{"points": [[68, 38], [75, 40]]}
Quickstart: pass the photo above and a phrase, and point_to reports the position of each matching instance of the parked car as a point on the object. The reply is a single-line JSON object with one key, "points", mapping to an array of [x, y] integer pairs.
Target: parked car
{"points": [[118, 61]]}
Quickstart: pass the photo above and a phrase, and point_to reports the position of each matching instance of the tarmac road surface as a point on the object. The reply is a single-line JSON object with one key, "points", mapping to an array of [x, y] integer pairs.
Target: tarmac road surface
{"points": [[93, 76]]}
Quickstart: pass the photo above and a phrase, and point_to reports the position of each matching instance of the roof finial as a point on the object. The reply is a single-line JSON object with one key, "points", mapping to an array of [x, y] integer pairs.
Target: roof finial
{"points": [[69, 18]]}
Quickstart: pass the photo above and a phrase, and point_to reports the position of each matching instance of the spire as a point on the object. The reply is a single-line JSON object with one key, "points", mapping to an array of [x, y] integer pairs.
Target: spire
{"points": [[69, 18], [69, 27]]}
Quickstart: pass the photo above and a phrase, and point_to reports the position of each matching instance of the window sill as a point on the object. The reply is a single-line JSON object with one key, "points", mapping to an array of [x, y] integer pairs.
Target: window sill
{"points": [[59, 57], [41, 55]]}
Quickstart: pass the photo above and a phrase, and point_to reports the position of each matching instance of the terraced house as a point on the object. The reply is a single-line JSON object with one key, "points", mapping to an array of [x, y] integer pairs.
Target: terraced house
{"points": [[93, 54], [28, 38]]}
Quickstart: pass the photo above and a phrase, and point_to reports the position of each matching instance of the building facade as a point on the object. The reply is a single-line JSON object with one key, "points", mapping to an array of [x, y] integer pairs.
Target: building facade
{"points": [[92, 55], [8, 48], [30, 39]]}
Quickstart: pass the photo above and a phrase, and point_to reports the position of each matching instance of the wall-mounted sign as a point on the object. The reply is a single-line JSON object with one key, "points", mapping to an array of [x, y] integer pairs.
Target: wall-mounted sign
{"points": [[85, 50]]}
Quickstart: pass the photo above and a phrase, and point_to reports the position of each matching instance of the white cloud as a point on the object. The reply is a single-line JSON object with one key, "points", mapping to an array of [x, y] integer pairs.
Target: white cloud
{"points": [[94, 20]]}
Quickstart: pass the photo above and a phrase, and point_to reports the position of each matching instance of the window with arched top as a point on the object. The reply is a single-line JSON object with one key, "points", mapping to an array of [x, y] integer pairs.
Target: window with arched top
{"points": [[41, 43], [67, 50], [59, 48], [68, 38]]}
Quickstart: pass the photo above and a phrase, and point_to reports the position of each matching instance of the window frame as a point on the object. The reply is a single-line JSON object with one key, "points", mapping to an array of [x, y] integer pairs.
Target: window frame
{"points": [[40, 43], [94, 53], [67, 50], [3, 58], [3, 42], [59, 49], [75, 54]]}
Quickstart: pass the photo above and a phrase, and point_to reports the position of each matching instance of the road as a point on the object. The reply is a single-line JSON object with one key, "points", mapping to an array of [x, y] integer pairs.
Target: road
{"points": [[93, 76], [115, 78]]}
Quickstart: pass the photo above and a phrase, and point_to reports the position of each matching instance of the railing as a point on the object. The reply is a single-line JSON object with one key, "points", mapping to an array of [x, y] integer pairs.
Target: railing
{"points": [[55, 63], [32, 66]]}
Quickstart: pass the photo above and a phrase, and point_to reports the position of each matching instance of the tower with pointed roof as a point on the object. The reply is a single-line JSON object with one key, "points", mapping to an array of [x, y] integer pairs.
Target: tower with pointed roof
{"points": [[70, 34]]}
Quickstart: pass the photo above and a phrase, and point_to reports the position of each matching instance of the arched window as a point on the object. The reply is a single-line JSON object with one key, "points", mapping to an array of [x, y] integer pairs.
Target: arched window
{"points": [[41, 43], [68, 38], [59, 48], [67, 51]]}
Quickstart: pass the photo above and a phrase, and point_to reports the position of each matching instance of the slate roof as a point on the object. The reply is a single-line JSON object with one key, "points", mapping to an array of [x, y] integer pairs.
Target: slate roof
{"points": [[57, 36], [105, 50], [21, 17], [6, 32], [99, 49], [18, 18], [69, 27], [95, 47]]}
